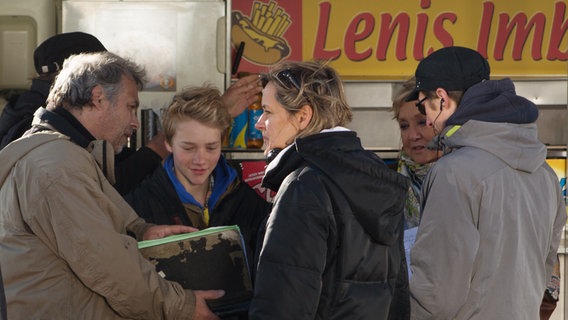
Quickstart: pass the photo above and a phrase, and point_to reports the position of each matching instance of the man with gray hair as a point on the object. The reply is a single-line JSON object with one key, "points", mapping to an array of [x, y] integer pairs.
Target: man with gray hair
{"points": [[67, 246]]}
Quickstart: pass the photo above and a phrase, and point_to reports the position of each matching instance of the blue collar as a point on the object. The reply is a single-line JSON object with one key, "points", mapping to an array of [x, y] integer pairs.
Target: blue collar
{"points": [[223, 175]]}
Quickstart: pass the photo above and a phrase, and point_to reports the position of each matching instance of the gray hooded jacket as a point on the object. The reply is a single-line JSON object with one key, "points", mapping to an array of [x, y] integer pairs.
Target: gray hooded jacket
{"points": [[492, 214]]}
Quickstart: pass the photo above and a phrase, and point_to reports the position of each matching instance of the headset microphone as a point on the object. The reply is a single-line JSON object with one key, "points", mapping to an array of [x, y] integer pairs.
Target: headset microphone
{"points": [[439, 113], [439, 147]]}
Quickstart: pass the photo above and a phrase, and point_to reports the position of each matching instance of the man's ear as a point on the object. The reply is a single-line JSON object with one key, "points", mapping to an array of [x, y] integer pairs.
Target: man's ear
{"points": [[97, 95], [442, 94], [304, 116]]}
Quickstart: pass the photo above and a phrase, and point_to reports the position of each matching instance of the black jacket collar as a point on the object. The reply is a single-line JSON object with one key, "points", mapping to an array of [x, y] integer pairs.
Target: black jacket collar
{"points": [[64, 122]]}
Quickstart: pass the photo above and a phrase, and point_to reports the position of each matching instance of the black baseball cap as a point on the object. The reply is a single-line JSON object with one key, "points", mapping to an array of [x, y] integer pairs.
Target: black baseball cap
{"points": [[50, 54], [450, 68]]}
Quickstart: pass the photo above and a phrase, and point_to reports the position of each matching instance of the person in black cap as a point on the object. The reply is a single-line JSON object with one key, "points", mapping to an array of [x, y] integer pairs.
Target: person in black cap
{"points": [[17, 117], [132, 166], [492, 209]]}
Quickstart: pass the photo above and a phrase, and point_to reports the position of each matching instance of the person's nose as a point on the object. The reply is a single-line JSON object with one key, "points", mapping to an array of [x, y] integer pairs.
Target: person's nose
{"points": [[259, 125], [134, 121], [414, 134], [198, 157]]}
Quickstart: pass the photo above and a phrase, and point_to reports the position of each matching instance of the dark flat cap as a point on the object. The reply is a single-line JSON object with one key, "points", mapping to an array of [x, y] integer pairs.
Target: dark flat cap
{"points": [[450, 68], [50, 54]]}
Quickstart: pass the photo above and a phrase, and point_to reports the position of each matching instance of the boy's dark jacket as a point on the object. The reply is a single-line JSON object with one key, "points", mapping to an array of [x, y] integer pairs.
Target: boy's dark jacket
{"points": [[156, 200]]}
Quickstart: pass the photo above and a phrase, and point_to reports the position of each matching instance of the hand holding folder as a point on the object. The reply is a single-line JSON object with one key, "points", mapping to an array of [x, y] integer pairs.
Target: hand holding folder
{"points": [[209, 259]]}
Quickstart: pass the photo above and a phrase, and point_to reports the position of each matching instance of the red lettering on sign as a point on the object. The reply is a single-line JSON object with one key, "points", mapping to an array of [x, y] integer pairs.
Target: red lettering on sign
{"points": [[519, 22], [559, 27], [512, 30], [425, 4], [442, 34], [402, 21], [323, 24], [352, 36], [486, 17], [420, 37]]}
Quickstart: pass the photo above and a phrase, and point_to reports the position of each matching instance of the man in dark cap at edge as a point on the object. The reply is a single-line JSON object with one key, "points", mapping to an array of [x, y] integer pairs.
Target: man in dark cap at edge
{"points": [[492, 208], [17, 117], [132, 166]]}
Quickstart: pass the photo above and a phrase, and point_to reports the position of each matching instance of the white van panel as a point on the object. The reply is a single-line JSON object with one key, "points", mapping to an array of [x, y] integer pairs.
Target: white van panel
{"points": [[24, 24]]}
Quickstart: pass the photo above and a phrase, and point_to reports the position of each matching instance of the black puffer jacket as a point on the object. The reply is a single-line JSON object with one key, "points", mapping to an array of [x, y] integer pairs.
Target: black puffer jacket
{"points": [[333, 246]]}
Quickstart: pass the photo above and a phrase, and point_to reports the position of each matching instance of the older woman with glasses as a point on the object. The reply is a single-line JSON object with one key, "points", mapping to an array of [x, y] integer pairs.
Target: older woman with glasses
{"points": [[333, 244]]}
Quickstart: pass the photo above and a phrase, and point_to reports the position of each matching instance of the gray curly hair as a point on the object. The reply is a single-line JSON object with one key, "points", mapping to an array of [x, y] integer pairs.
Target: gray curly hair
{"points": [[82, 72]]}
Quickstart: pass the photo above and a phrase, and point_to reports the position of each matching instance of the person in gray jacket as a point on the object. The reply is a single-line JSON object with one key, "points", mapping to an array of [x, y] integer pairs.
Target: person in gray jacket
{"points": [[492, 209], [67, 249]]}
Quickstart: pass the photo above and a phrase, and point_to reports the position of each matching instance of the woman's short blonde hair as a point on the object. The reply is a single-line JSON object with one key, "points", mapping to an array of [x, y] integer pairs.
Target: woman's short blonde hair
{"points": [[311, 83], [400, 96], [203, 104]]}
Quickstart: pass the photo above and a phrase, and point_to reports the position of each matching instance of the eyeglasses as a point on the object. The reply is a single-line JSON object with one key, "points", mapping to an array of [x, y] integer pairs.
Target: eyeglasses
{"points": [[420, 105], [288, 79]]}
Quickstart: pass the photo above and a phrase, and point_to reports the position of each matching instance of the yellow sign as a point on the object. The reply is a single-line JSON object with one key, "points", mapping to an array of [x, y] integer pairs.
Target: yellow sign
{"points": [[387, 39]]}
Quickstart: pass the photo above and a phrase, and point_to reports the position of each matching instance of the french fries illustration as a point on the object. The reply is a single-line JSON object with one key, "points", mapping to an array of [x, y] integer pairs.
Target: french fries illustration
{"points": [[262, 33]]}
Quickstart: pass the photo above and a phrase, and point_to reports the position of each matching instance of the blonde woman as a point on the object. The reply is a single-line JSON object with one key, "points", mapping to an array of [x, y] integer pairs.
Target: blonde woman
{"points": [[333, 244]]}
